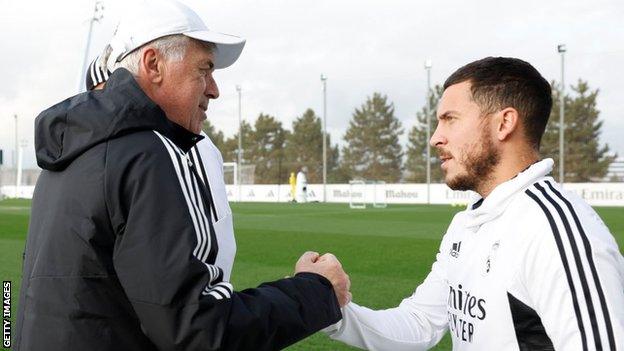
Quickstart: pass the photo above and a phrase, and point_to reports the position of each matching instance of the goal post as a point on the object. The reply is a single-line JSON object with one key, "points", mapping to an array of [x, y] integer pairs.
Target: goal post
{"points": [[379, 194], [357, 194], [230, 173], [367, 192]]}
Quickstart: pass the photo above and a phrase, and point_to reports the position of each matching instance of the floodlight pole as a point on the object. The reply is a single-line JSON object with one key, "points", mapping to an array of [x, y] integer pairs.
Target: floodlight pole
{"points": [[324, 81], [16, 145], [17, 157], [20, 163], [97, 16], [428, 66], [561, 48], [240, 142]]}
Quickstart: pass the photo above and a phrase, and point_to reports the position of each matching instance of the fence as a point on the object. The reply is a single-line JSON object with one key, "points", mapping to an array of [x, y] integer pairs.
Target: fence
{"points": [[596, 194]]}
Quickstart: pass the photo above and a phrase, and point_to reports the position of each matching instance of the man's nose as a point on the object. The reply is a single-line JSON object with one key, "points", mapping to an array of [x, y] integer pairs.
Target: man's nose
{"points": [[212, 90], [437, 138]]}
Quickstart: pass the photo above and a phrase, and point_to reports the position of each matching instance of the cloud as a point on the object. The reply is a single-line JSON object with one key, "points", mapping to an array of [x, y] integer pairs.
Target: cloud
{"points": [[362, 46]]}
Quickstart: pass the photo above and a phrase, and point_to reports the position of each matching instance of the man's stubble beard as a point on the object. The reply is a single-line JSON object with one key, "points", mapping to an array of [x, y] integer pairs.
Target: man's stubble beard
{"points": [[479, 165]]}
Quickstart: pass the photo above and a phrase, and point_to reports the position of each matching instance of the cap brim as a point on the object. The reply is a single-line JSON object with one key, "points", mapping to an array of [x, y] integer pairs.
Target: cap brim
{"points": [[229, 47]]}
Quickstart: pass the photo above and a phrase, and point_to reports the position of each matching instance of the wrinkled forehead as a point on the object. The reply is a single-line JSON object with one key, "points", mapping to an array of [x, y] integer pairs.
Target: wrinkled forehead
{"points": [[201, 53], [206, 46]]}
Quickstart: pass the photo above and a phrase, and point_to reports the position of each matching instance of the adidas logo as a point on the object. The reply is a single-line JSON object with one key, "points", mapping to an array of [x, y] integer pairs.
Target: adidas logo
{"points": [[455, 249]]}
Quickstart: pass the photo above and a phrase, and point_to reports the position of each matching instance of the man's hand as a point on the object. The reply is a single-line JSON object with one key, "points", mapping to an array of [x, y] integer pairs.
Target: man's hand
{"points": [[329, 267]]}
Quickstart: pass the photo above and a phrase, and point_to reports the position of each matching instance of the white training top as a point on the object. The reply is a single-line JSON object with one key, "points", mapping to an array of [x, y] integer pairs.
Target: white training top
{"points": [[210, 165], [531, 267], [301, 188]]}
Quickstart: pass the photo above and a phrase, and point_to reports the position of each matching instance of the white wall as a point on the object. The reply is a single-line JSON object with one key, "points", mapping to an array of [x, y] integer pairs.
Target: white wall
{"points": [[596, 194], [23, 192]]}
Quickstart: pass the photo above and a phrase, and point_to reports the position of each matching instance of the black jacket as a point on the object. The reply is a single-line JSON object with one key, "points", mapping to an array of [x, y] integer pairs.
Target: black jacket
{"points": [[120, 253]]}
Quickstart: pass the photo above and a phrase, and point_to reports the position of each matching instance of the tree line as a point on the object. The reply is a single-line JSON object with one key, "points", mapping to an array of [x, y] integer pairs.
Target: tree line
{"points": [[372, 149]]}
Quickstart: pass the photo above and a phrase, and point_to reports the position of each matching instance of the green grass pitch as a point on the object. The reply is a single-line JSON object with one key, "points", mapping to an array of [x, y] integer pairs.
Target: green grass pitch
{"points": [[387, 252]]}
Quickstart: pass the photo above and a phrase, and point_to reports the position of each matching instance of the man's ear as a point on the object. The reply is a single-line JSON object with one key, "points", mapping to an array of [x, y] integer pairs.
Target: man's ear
{"points": [[508, 123], [152, 65]]}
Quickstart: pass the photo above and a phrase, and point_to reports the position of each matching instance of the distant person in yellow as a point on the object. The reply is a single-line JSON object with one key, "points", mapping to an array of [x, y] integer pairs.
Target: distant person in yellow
{"points": [[293, 186]]}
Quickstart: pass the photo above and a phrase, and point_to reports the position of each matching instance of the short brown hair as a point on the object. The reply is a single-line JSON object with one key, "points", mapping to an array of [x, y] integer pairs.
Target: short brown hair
{"points": [[500, 82]]}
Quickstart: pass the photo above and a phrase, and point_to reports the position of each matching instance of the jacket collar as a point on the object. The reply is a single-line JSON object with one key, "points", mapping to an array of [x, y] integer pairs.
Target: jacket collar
{"points": [[496, 203]]}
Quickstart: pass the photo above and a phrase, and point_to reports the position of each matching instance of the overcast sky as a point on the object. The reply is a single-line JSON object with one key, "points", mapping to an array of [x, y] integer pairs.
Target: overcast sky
{"points": [[362, 46]]}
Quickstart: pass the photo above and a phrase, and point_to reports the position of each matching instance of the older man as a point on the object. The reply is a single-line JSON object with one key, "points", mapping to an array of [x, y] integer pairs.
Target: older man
{"points": [[121, 252], [209, 163], [527, 266]]}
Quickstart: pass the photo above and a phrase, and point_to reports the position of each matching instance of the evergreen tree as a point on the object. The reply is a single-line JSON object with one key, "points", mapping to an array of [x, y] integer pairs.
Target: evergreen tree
{"points": [[266, 151], [229, 151], [215, 135], [304, 147], [584, 160], [373, 150], [416, 163], [335, 172]]}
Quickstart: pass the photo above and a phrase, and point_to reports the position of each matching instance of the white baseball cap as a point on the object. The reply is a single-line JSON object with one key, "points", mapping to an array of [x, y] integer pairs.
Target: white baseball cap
{"points": [[147, 20]]}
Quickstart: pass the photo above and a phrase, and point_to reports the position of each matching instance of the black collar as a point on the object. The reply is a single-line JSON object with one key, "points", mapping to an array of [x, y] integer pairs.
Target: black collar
{"points": [[182, 137], [477, 204]]}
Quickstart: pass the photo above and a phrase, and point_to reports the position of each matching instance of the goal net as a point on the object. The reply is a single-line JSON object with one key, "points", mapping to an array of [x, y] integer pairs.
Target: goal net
{"points": [[363, 193], [357, 194], [231, 176], [379, 194]]}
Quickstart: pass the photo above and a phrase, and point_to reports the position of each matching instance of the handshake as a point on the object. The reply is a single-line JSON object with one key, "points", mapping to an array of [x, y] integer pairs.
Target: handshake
{"points": [[329, 267]]}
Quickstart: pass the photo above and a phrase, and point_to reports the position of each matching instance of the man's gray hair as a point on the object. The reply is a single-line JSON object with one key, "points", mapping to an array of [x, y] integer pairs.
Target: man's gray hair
{"points": [[172, 47]]}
